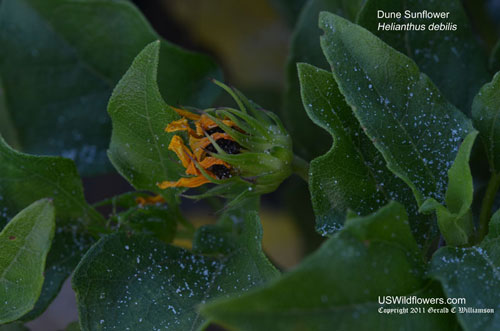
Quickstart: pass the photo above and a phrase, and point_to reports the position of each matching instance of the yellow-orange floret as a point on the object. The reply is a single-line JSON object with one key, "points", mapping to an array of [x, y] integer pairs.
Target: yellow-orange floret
{"points": [[195, 154]]}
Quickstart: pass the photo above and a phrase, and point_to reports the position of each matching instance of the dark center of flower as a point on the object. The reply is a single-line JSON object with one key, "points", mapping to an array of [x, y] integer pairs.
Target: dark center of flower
{"points": [[228, 146], [220, 171], [214, 130]]}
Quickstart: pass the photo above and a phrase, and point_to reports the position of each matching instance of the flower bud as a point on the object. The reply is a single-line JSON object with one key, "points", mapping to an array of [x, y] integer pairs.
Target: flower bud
{"points": [[241, 150]]}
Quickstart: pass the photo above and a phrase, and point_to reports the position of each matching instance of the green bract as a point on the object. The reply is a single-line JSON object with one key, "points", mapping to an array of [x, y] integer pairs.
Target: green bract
{"points": [[265, 159]]}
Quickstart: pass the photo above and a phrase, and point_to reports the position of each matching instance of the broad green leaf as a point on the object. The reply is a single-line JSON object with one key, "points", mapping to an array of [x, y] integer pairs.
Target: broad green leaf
{"points": [[73, 326], [454, 60], [473, 274], [338, 286], [61, 59], [352, 175], [455, 219], [495, 58], [491, 242], [485, 111], [68, 248], [417, 131], [159, 220], [305, 47], [24, 244], [139, 143], [460, 191], [27, 178], [141, 283], [156, 220]]}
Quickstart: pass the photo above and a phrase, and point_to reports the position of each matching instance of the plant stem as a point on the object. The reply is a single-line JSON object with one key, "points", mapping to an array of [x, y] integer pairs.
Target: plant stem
{"points": [[488, 200], [301, 168]]}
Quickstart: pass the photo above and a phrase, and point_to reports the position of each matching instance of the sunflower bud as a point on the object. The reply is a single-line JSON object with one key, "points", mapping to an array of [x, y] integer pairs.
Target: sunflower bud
{"points": [[241, 150]]}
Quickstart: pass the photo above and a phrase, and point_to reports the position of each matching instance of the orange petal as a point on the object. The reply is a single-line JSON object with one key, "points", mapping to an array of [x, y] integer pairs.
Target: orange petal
{"points": [[187, 114], [149, 200], [179, 125], [198, 145], [205, 123], [192, 170], [183, 153], [194, 143], [210, 161], [205, 164], [229, 123], [185, 182]]}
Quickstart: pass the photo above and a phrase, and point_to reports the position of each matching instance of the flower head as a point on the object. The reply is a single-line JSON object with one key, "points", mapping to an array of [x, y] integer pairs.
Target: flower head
{"points": [[245, 149]]}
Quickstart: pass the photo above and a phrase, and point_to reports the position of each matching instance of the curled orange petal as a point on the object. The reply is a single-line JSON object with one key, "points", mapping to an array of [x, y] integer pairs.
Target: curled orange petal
{"points": [[205, 164], [185, 182], [142, 201], [198, 145], [194, 144], [194, 154], [206, 123], [180, 125], [187, 114], [210, 161], [192, 170], [183, 153], [203, 124]]}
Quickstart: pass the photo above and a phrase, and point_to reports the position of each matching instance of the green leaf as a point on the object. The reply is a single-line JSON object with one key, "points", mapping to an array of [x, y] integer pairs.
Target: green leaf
{"points": [[68, 248], [61, 59], [339, 284], [27, 178], [139, 143], [454, 60], [73, 326], [305, 47], [473, 274], [156, 220], [460, 191], [485, 111], [417, 131], [495, 58], [455, 220], [159, 220], [24, 244], [141, 283], [352, 175], [491, 241]]}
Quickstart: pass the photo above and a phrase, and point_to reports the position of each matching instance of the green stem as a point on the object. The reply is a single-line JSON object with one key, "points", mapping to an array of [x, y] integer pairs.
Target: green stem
{"points": [[301, 168], [488, 200]]}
